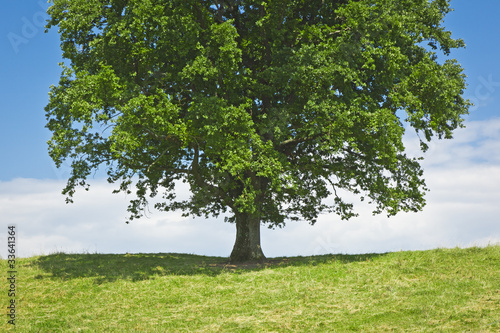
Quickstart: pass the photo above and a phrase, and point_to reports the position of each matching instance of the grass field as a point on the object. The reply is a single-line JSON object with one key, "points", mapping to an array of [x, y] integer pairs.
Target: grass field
{"points": [[445, 290]]}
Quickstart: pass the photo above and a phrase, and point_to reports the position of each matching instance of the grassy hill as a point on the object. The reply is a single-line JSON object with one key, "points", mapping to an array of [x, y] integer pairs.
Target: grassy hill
{"points": [[443, 290]]}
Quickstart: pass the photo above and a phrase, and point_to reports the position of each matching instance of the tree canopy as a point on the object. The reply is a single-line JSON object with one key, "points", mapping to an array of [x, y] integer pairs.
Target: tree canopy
{"points": [[267, 109]]}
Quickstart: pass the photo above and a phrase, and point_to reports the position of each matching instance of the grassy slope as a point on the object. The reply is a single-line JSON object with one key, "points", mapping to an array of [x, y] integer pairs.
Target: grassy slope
{"points": [[438, 290]]}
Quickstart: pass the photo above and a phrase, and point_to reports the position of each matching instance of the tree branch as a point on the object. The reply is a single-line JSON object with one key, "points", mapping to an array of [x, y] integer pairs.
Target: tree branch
{"points": [[296, 141], [199, 180]]}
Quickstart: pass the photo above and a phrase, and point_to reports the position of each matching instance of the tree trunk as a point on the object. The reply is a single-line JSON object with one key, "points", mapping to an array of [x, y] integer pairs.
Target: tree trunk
{"points": [[247, 244]]}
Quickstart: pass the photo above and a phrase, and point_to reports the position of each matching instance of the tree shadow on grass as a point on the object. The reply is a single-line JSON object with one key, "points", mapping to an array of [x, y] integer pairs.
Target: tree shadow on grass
{"points": [[136, 267]]}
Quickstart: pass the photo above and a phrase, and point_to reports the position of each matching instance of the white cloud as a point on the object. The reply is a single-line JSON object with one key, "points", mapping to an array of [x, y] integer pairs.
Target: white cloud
{"points": [[478, 143], [96, 223], [462, 210], [463, 175]]}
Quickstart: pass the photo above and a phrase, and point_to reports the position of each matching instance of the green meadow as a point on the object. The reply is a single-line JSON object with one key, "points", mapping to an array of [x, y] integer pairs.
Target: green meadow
{"points": [[443, 290]]}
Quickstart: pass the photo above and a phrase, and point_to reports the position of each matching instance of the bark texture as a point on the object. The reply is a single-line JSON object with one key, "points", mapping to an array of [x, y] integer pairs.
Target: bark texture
{"points": [[247, 245]]}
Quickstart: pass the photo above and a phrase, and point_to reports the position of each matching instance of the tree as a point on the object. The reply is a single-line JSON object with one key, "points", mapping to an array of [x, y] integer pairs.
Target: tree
{"points": [[267, 109]]}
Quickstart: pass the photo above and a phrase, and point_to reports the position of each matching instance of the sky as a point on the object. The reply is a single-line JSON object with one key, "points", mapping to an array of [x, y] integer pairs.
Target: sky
{"points": [[463, 174]]}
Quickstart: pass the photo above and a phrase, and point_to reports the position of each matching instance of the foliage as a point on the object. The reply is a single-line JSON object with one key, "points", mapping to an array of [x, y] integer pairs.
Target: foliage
{"points": [[443, 290], [264, 107]]}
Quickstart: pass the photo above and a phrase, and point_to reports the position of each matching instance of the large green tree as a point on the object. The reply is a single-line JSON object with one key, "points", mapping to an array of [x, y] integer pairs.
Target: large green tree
{"points": [[267, 109]]}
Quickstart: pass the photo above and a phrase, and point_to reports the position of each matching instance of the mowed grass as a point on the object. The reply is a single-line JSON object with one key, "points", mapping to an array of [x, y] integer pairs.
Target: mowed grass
{"points": [[444, 290]]}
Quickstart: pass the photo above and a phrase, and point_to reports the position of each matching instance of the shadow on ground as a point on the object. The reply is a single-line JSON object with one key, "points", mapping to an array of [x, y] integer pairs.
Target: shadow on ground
{"points": [[136, 267]]}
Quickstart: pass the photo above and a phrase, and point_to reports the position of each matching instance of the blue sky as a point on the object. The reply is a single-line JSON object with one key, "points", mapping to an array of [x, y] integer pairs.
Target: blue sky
{"points": [[30, 185]]}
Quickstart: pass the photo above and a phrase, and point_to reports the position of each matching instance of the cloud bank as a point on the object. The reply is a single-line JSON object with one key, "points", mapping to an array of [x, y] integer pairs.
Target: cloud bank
{"points": [[462, 210]]}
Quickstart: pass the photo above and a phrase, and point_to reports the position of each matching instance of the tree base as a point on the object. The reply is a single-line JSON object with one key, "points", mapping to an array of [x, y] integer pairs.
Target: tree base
{"points": [[249, 257], [247, 245]]}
